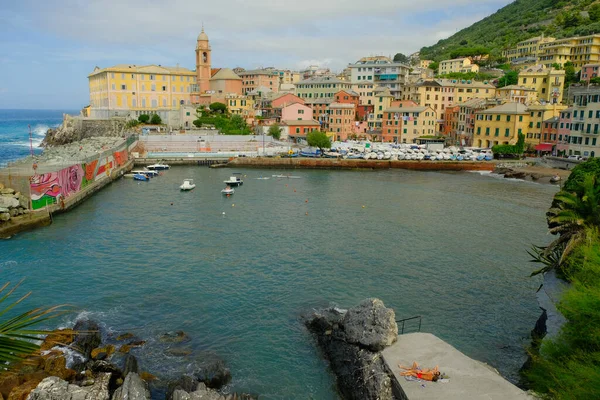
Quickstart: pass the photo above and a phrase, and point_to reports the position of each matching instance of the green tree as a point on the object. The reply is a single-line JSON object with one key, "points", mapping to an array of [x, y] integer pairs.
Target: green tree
{"points": [[275, 131], [574, 217], [595, 80], [594, 12], [144, 118], [401, 58], [435, 66], [571, 75], [217, 107], [509, 78], [17, 337], [319, 140], [155, 120]]}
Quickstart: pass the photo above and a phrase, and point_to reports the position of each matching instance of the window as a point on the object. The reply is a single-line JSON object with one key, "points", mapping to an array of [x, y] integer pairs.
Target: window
{"points": [[300, 111], [479, 130], [508, 118], [123, 87], [507, 132], [498, 117], [152, 77], [153, 87], [164, 88], [497, 132], [487, 131]]}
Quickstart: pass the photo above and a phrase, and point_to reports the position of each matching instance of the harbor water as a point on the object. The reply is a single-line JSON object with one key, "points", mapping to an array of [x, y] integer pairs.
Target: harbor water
{"points": [[236, 274]]}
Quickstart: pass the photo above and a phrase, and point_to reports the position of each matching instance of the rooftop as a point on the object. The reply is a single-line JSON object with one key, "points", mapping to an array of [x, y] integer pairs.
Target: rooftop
{"points": [[507, 108], [516, 87], [321, 79], [294, 122], [226, 73], [341, 105], [406, 109], [144, 69]]}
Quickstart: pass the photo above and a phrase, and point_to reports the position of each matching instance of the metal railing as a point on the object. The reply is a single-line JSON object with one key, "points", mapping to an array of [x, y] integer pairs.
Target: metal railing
{"points": [[401, 331]]}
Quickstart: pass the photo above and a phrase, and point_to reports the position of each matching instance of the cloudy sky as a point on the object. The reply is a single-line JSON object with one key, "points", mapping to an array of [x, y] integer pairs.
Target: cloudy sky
{"points": [[48, 47]]}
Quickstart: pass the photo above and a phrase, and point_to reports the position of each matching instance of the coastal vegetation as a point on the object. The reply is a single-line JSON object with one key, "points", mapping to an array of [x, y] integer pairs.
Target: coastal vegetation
{"points": [[275, 131], [217, 116], [18, 338], [518, 21], [515, 150], [153, 119], [568, 366]]}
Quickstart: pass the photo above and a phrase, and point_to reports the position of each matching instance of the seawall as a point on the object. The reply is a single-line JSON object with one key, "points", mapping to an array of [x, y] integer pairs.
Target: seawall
{"points": [[330, 163]]}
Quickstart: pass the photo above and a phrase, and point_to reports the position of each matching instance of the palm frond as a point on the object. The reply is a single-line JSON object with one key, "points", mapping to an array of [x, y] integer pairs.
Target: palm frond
{"points": [[17, 337]]}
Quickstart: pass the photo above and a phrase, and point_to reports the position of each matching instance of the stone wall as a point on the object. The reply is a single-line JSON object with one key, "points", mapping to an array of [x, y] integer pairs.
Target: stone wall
{"points": [[77, 128], [329, 163]]}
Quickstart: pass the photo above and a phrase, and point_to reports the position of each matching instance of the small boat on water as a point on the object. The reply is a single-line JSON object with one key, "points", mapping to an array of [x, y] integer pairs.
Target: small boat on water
{"points": [[263, 178], [130, 176], [188, 184], [555, 179], [228, 191], [140, 177], [234, 180], [158, 166], [148, 172]]}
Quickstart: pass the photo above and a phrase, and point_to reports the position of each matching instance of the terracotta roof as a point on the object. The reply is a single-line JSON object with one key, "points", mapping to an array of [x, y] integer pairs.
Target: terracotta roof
{"points": [[293, 122], [507, 108], [226, 73]]}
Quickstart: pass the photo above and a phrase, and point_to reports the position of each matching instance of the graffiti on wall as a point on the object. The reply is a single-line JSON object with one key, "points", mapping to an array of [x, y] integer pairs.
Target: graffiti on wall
{"points": [[49, 188]]}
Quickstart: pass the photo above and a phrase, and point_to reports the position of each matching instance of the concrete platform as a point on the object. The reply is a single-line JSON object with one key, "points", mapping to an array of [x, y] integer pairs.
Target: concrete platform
{"points": [[468, 378]]}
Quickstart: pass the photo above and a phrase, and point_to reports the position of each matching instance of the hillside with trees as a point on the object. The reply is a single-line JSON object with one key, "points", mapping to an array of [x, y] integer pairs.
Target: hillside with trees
{"points": [[518, 21]]}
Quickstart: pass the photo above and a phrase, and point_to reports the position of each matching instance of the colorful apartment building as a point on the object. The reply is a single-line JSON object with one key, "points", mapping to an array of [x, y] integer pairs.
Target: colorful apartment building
{"points": [[380, 71], [294, 111], [590, 71], [282, 99], [500, 125], [320, 87], [564, 131], [462, 65], [516, 94], [238, 104], [320, 108], [383, 101], [547, 82], [528, 49], [549, 134], [406, 124], [579, 50], [365, 92], [342, 118], [254, 79], [297, 129], [144, 89], [585, 121]]}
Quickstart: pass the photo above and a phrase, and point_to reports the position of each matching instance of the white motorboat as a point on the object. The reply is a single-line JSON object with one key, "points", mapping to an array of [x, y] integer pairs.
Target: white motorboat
{"points": [[130, 176], [228, 191], [158, 166], [188, 184], [234, 181]]}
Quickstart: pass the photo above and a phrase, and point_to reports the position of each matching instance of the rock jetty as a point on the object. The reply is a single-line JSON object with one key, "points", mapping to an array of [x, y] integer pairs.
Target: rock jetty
{"points": [[76, 364], [352, 341], [76, 128], [12, 204]]}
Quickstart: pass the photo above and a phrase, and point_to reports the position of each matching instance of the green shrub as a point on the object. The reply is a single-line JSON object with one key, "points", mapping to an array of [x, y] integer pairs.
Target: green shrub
{"points": [[575, 180], [132, 123], [155, 120], [144, 118], [518, 148]]}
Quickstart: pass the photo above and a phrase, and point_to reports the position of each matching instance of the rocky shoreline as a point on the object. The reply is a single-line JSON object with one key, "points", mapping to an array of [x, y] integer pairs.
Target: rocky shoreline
{"points": [[76, 364], [532, 174], [12, 204], [352, 341]]}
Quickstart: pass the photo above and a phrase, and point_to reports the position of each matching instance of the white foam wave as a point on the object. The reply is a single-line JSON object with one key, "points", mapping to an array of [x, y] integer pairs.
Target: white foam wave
{"points": [[71, 356], [40, 130]]}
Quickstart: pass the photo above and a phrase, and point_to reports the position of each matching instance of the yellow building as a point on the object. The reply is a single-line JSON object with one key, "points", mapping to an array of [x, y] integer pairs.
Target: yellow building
{"points": [[240, 105], [463, 65], [538, 113], [365, 92], [547, 82], [442, 93], [516, 93], [529, 48], [500, 125], [578, 50], [425, 63], [406, 124], [382, 101], [141, 89]]}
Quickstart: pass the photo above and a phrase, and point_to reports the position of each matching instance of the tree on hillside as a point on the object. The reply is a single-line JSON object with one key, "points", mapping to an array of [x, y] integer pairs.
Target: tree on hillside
{"points": [[509, 78], [319, 140], [594, 12], [435, 66], [571, 76], [401, 58], [217, 107], [275, 131]]}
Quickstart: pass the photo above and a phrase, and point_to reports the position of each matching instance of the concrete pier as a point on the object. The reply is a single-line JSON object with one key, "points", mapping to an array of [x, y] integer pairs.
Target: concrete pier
{"points": [[468, 378]]}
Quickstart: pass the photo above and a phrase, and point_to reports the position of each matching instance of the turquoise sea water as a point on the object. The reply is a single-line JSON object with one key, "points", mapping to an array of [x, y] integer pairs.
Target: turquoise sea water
{"points": [[448, 246], [14, 131]]}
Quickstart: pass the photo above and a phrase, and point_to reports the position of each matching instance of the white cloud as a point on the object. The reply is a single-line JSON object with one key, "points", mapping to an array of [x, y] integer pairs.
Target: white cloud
{"points": [[248, 33]]}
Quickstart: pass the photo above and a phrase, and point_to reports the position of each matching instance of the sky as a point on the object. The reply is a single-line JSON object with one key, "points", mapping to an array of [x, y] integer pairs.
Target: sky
{"points": [[48, 47]]}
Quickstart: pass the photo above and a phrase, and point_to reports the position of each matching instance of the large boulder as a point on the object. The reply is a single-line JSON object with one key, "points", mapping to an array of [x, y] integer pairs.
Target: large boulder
{"points": [[185, 383], [213, 373], [8, 202], [351, 341], [131, 365], [133, 388], [7, 192], [88, 336], [371, 325], [54, 388]]}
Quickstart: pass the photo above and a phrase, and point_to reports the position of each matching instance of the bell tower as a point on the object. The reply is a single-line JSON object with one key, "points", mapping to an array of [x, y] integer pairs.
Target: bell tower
{"points": [[203, 62]]}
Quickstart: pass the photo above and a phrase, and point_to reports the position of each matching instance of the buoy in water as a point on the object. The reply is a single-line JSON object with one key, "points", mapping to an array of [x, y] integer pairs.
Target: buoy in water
{"points": [[363, 206], [171, 203], [307, 213], [306, 201], [223, 212], [233, 205], [294, 190]]}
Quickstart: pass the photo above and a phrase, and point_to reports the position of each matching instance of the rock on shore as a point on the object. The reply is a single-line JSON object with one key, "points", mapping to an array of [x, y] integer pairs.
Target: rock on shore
{"points": [[351, 341], [12, 204]]}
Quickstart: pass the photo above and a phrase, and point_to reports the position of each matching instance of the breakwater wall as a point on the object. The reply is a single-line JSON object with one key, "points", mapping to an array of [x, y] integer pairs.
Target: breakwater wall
{"points": [[61, 189], [330, 163]]}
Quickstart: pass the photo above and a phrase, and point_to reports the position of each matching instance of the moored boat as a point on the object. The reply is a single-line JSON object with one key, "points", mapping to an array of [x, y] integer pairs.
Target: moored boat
{"points": [[228, 191], [234, 180], [158, 166], [188, 184], [140, 177]]}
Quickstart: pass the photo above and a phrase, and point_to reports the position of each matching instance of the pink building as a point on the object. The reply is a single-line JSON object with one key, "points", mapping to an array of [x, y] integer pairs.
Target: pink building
{"points": [[297, 112], [285, 100], [590, 71], [225, 81]]}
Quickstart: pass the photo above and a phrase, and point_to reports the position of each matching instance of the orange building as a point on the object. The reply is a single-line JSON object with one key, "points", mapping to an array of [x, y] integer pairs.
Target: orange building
{"points": [[342, 120], [254, 79]]}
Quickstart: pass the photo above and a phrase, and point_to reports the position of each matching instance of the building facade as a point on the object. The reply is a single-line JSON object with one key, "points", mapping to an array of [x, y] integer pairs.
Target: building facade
{"points": [[547, 82], [500, 125], [406, 124], [463, 65], [320, 87], [252, 80], [380, 71]]}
